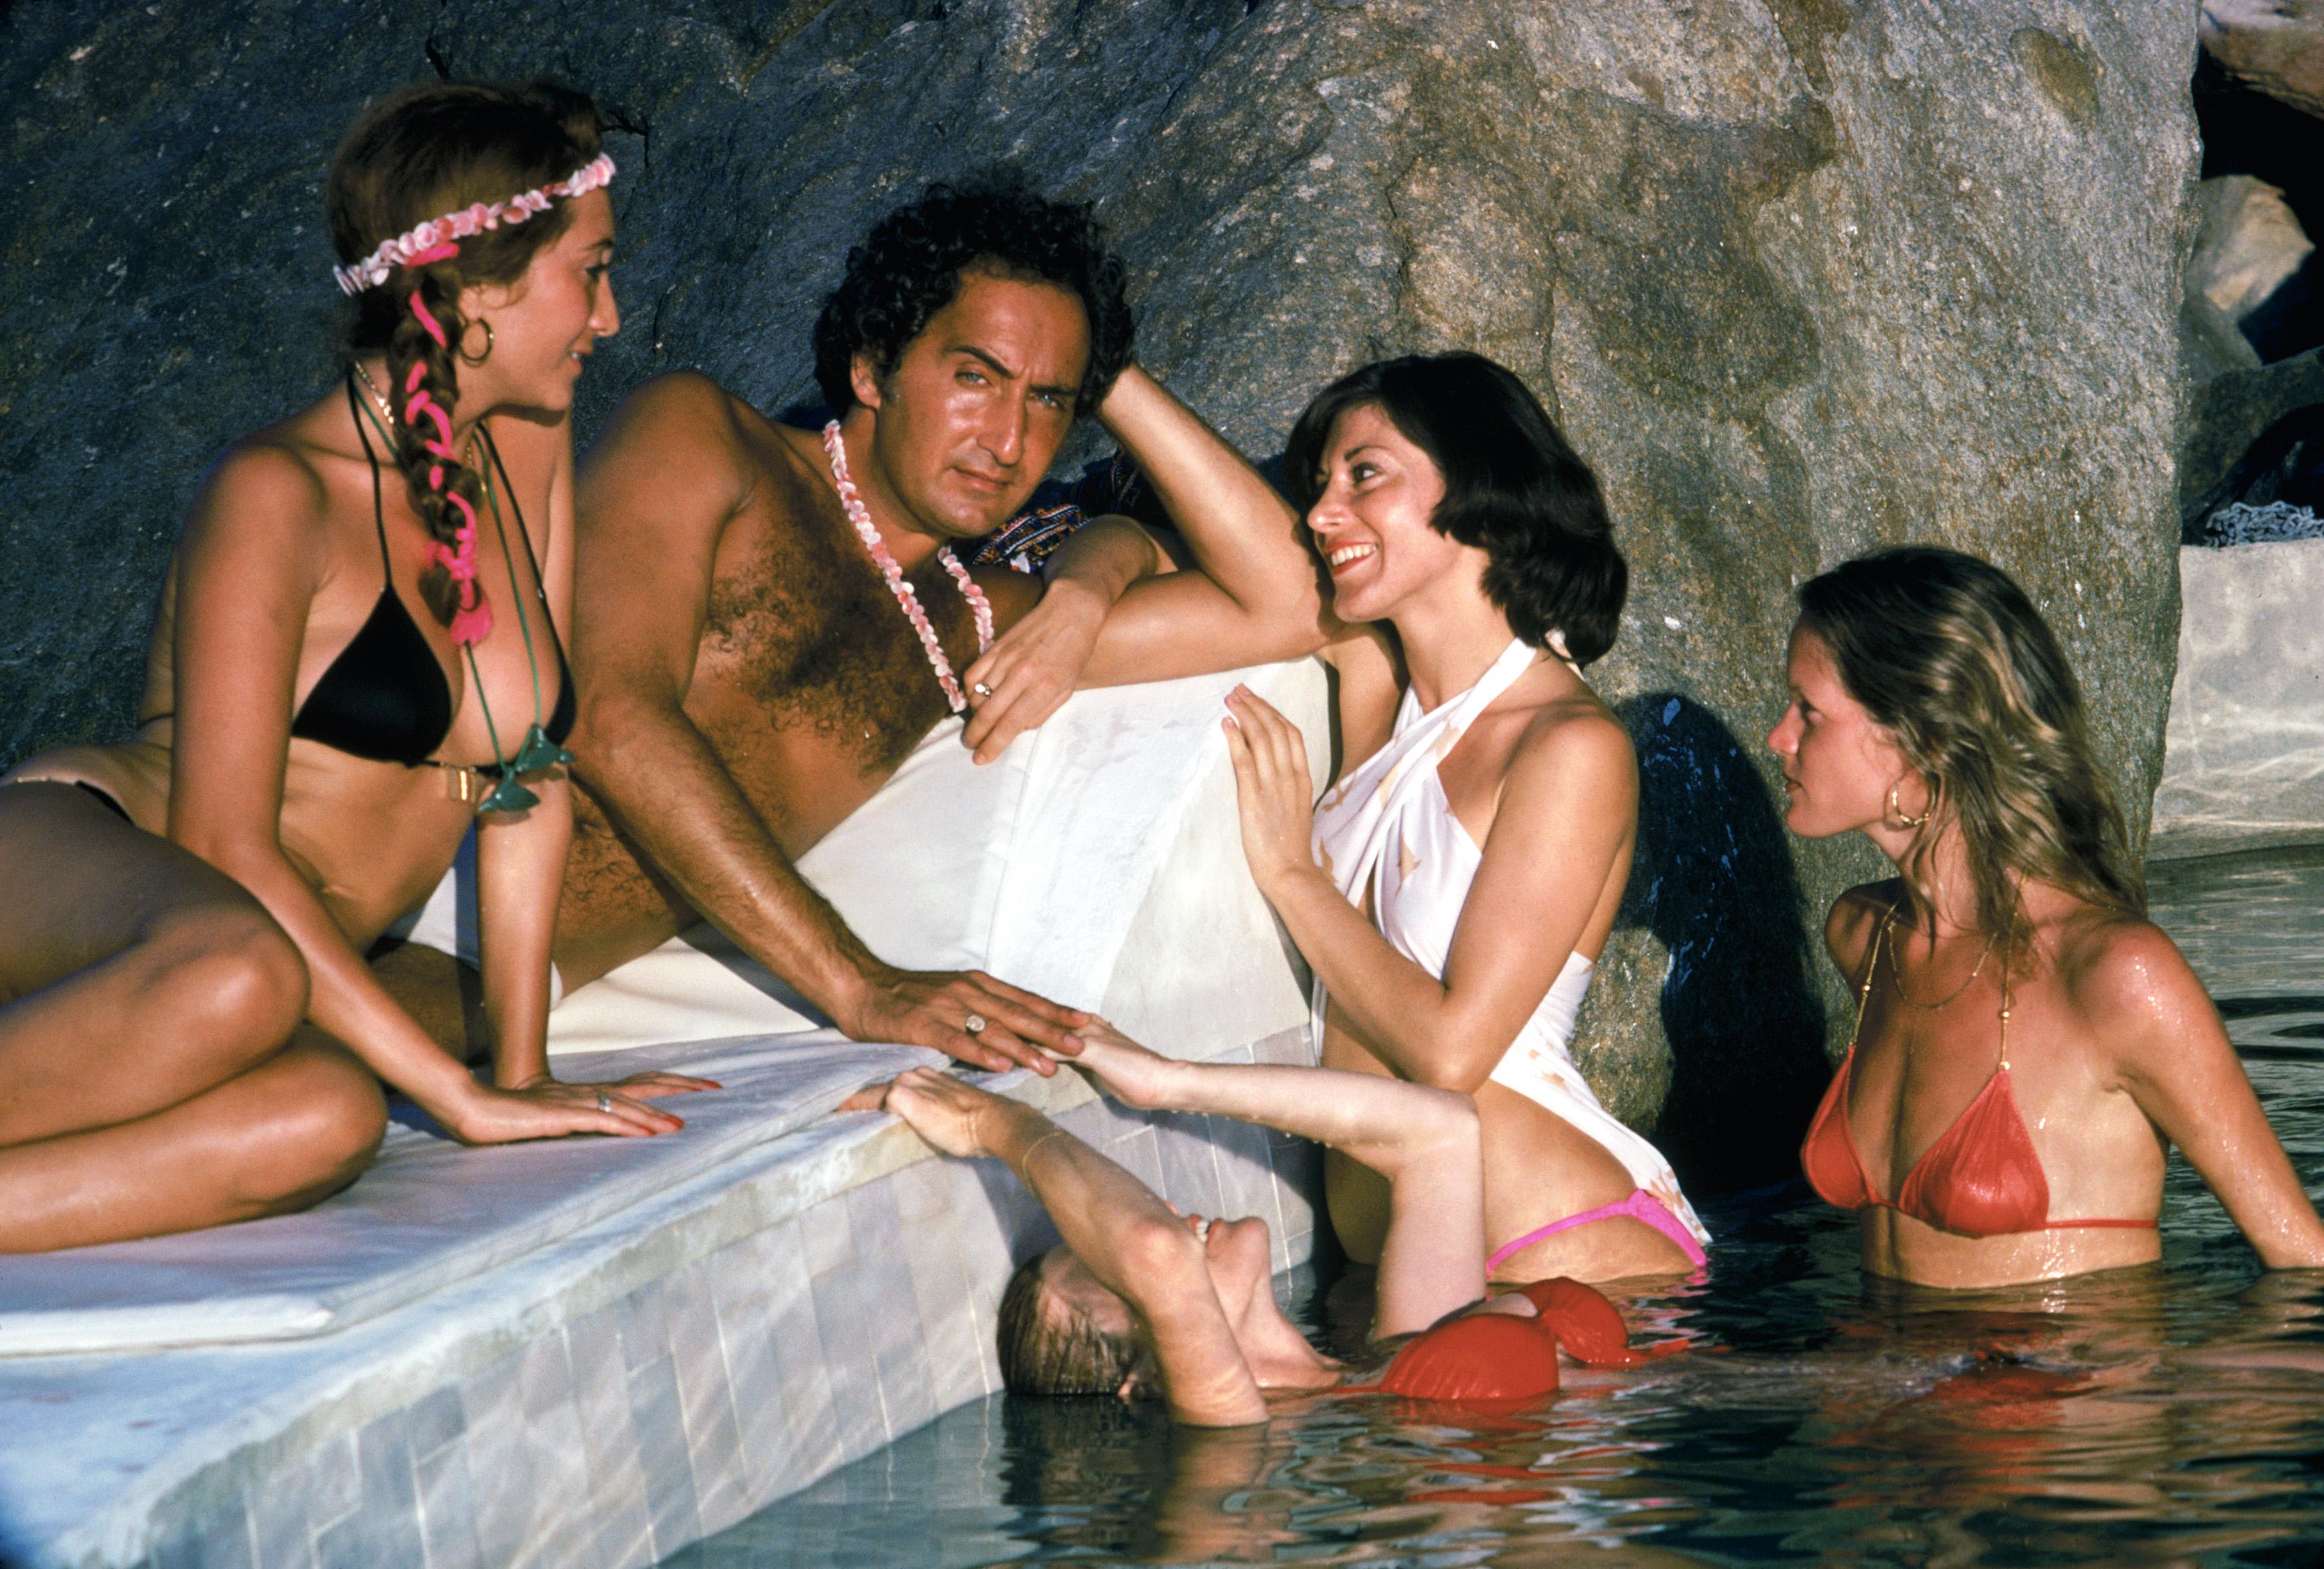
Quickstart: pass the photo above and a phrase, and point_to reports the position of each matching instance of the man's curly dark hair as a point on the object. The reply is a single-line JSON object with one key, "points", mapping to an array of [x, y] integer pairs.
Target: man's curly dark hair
{"points": [[909, 268]]}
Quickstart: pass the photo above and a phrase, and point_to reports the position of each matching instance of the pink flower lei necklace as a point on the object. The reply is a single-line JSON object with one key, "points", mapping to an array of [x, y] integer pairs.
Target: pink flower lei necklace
{"points": [[979, 606]]}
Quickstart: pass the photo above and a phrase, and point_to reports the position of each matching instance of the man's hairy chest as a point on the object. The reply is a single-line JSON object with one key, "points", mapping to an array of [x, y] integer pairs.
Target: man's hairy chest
{"points": [[803, 634]]}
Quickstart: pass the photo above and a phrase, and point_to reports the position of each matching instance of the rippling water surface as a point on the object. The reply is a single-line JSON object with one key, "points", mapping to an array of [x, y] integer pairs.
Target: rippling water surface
{"points": [[2164, 1415]]}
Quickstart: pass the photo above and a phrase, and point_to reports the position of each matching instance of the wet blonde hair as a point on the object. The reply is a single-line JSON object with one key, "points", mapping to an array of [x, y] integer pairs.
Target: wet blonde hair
{"points": [[1948, 655], [1048, 1347]]}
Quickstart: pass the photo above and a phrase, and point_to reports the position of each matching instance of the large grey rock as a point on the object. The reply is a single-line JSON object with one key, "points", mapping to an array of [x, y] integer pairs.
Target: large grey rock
{"points": [[2210, 345], [2226, 413], [2244, 765], [2248, 242], [2276, 45], [1801, 278]]}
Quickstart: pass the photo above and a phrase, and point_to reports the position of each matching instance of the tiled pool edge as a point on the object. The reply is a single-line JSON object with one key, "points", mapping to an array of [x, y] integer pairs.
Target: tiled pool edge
{"points": [[665, 1374]]}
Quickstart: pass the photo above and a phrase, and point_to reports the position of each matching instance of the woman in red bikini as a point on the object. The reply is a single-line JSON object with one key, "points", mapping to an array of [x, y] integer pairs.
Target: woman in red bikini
{"points": [[2028, 1047]]}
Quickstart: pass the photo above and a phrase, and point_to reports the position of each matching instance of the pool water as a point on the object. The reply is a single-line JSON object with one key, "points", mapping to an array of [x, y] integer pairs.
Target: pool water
{"points": [[2172, 1415]]}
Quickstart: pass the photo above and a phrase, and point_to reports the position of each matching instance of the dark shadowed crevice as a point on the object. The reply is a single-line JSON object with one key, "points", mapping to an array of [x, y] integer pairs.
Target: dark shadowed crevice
{"points": [[1713, 882], [433, 49]]}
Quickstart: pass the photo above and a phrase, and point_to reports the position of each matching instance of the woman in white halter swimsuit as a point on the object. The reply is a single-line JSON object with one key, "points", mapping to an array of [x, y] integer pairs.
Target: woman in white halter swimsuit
{"points": [[1487, 832]]}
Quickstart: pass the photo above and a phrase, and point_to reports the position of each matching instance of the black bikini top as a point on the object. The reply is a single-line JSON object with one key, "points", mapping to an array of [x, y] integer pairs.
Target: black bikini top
{"points": [[385, 698]]}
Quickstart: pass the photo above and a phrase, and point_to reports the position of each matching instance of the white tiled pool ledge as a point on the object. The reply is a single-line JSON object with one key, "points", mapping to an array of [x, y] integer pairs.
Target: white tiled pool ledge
{"points": [[614, 1396]]}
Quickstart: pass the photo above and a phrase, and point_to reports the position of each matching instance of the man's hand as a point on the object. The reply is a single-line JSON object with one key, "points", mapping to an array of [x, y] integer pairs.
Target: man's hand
{"points": [[1027, 676], [966, 1014]]}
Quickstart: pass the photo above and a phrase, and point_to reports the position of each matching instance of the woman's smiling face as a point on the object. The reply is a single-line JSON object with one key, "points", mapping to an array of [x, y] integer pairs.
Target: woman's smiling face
{"points": [[546, 323], [1376, 494]]}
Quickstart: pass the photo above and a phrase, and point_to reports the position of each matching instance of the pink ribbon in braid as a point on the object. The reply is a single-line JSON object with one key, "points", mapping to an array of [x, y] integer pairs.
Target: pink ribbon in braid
{"points": [[472, 622], [422, 406], [435, 327]]}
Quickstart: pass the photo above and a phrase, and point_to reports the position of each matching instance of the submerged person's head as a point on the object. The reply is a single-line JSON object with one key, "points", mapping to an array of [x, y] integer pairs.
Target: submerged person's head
{"points": [[1430, 471], [977, 322], [1929, 696], [475, 236], [1062, 1331]]}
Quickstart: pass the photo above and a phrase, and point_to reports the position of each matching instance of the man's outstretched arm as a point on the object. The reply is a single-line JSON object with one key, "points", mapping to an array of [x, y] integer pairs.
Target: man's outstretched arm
{"points": [[656, 496]]}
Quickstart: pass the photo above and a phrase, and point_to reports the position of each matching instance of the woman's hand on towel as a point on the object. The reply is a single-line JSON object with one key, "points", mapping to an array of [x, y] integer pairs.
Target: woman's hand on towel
{"points": [[1272, 788], [954, 1117], [645, 1086], [934, 1008], [1028, 673], [1132, 1074], [551, 1109]]}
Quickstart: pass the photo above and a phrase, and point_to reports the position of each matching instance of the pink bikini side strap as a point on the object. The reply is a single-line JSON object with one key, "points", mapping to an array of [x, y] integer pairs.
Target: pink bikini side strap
{"points": [[1641, 1205]]}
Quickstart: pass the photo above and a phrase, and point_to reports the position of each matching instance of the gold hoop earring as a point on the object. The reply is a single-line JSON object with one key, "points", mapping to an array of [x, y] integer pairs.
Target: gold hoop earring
{"points": [[477, 359], [1896, 812]]}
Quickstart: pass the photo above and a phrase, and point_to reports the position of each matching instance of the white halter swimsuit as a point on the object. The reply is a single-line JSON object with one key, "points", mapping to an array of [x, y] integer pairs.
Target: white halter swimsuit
{"points": [[1388, 825]]}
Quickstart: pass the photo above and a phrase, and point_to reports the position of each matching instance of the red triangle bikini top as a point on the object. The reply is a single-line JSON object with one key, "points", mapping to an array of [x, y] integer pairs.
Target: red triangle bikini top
{"points": [[1980, 1178]]}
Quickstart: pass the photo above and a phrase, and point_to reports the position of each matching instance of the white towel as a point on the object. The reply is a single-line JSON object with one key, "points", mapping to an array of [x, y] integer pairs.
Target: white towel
{"points": [[1032, 868]]}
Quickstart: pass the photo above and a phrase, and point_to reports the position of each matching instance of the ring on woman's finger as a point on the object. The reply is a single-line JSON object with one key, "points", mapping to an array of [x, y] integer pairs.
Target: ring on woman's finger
{"points": [[974, 1024], [605, 1102], [982, 690]]}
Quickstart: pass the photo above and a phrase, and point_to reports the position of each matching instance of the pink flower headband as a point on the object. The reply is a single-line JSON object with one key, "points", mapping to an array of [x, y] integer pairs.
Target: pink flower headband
{"points": [[434, 240]]}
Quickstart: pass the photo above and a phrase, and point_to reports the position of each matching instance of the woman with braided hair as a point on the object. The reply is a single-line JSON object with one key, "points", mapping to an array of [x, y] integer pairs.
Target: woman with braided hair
{"points": [[344, 674]]}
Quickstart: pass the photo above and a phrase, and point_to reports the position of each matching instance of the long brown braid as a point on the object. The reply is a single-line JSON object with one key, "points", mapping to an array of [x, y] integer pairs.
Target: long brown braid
{"points": [[416, 155]]}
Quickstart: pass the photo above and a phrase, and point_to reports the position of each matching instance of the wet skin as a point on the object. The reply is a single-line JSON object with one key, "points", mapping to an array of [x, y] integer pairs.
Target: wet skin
{"points": [[2115, 1050], [1197, 1292]]}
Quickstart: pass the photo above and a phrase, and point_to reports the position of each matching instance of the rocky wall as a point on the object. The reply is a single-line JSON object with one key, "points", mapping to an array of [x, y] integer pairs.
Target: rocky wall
{"points": [[1800, 277]]}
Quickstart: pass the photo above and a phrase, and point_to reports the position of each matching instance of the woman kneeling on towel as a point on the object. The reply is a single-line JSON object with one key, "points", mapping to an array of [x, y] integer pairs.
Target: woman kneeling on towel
{"points": [[186, 1017], [1453, 889], [2027, 1046], [1141, 1299]]}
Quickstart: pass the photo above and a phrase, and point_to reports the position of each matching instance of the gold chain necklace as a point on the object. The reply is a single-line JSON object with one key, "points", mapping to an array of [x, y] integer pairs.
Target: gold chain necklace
{"points": [[1896, 973], [385, 407], [387, 411]]}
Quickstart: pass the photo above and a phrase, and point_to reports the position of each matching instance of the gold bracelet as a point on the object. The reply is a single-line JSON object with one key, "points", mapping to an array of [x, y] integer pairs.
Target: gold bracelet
{"points": [[1025, 1161]]}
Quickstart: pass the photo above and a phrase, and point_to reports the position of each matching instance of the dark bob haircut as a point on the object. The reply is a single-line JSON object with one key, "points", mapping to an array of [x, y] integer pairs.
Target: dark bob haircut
{"points": [[1513, 488], [909, 268]]}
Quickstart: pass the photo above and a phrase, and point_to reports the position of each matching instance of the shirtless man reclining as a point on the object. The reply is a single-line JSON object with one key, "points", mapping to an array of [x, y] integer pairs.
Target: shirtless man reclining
{"points": [[746, 678]]}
